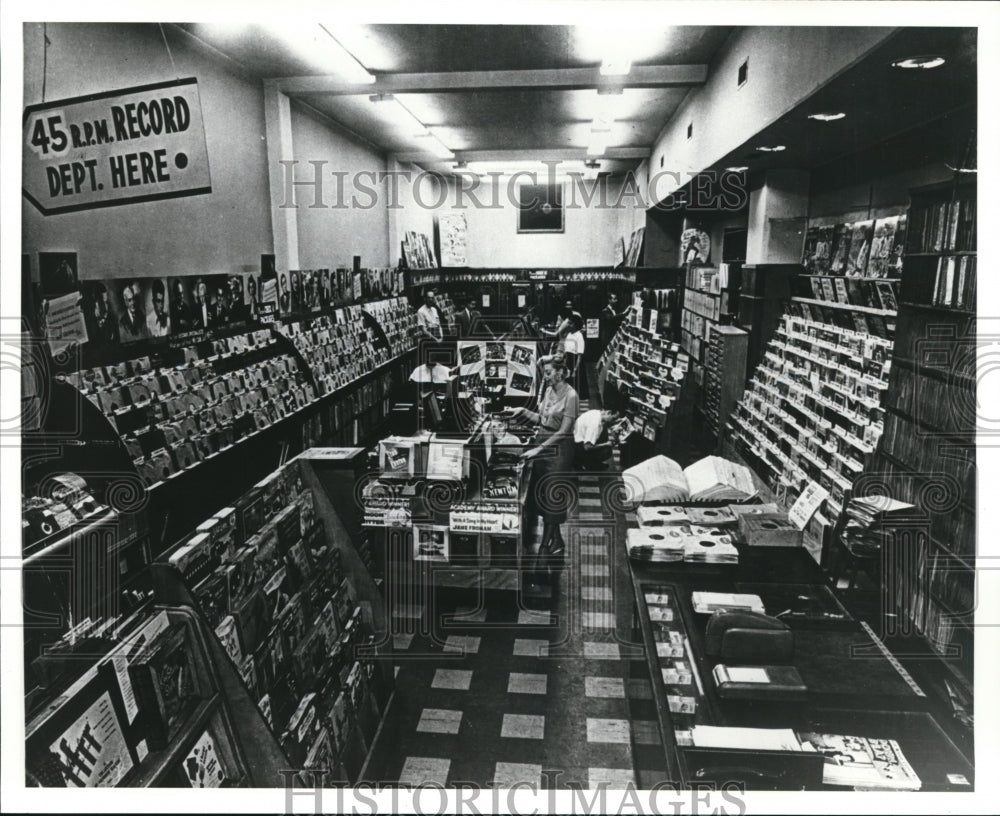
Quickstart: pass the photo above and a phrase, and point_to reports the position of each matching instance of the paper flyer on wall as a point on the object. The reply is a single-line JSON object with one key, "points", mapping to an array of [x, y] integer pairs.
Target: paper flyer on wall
{"points": [[512, 362], [64, 323]]}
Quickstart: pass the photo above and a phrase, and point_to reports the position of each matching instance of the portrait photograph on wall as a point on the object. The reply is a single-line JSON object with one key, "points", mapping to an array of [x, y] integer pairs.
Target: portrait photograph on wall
{"points": [[540, 208]]}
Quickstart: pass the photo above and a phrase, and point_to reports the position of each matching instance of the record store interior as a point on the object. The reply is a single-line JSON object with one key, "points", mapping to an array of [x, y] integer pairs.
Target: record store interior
{"points": [[521, 405]]}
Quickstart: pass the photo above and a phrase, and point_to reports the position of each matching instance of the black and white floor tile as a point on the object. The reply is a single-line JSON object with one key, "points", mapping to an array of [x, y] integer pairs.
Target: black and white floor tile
{"points": [[490, 693]]}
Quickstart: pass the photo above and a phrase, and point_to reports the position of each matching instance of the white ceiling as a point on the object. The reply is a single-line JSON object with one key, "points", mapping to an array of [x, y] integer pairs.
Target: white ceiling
{"points": [[546, 111], [514, 92]]}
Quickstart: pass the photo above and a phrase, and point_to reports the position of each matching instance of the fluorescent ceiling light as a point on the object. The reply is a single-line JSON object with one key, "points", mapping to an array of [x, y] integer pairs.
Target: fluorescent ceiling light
{"points": [[600, 136], [827, 117], [771, 148], [587, 105], [614, 66], [921, 63], [347, 64], [432, 144], [624, 42], [598, 144], [409, 126], [312, 43], [542, 170], [394, 112]]}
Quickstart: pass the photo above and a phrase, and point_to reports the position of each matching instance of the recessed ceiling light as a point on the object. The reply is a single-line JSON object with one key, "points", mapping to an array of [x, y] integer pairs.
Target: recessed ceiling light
{"points": [[827, 117], [771, 148], [923, 62], [737, 169]]}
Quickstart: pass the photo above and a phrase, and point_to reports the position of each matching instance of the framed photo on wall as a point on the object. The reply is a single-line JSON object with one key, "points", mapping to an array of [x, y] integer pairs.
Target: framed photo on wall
{"points": [[540, 208]]}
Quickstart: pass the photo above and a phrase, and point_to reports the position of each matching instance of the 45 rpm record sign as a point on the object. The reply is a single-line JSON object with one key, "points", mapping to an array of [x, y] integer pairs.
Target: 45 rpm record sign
{"points": [[116, 147]]}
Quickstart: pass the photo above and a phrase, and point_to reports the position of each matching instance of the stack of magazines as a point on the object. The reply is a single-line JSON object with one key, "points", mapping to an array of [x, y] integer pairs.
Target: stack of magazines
{"points": [[865, 515], [713, 478]]}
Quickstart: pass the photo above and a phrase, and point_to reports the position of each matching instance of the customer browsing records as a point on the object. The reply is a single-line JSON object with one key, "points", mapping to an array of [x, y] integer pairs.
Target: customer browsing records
{"points": [[551, 455]]}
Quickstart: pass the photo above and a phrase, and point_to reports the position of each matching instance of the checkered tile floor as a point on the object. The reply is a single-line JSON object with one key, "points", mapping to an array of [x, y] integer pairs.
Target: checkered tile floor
{"points": [[490, 693]]}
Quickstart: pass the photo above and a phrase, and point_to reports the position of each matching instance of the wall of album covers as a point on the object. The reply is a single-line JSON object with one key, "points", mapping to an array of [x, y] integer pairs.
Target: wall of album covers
{"points": [[122, 311], [105, 314]]}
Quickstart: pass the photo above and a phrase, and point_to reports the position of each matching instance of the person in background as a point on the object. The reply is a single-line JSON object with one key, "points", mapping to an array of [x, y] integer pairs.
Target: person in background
{"points": [[591, 439], [464, 317], [447, 318], [562, 327], [467, 319], [157, 320], [573, 346], [429, 319], [552, 454], [610, 319]]}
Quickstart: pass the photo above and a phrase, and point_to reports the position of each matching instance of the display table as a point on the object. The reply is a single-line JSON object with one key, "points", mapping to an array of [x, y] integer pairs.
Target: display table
{"points": [[854, 687], [462, 534]]}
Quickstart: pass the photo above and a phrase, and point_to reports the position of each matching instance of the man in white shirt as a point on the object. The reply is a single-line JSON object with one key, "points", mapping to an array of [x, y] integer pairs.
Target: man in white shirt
{"points": [[590, 428], [429, 319], [574, 342]]}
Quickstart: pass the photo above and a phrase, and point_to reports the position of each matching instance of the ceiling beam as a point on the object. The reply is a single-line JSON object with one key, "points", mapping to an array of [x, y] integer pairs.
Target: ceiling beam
{"points": [[574, 153], [641, 76]]}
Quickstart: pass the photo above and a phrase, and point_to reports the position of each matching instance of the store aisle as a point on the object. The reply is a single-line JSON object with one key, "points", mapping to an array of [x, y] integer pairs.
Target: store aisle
{"points": [[490, 693]]}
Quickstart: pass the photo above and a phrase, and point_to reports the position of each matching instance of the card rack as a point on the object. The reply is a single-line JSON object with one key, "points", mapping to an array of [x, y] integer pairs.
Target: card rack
{"points": [[725, 375], [647, 369], [813, 410], [340, 347], [710, 299], [397, 320], [174, 411]]}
